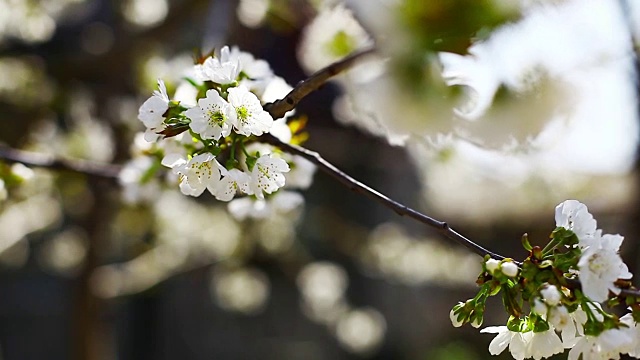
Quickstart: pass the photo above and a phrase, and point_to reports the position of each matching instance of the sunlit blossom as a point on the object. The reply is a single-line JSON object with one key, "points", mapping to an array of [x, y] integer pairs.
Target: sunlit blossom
{"points": [[210, 118], [267, 175], [247, 115]]}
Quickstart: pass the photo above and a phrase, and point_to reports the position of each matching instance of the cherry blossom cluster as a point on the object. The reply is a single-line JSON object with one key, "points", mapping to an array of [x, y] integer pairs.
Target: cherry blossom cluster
{"points": [[570, 286], [213, 144]]}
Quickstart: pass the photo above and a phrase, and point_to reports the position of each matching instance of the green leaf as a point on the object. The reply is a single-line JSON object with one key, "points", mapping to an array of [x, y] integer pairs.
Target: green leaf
{"points": [[251, 162], [525, 242], [515, 323], [593, 328], [539, 324], [564, 236], [231, 164]]}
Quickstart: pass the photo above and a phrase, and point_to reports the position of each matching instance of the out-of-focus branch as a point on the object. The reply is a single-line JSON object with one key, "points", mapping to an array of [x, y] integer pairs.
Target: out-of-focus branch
{"points": [[278, 108], [363, 189], [85, 167]]}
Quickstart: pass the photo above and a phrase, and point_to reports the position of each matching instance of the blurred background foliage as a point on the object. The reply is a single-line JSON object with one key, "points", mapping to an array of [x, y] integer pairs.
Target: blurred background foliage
{"points": [[85, 274]]}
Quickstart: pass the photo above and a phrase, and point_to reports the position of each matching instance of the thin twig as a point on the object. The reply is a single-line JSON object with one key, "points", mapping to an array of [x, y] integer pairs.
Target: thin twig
{"points": [[363, 189], [86, 167], [278, 108]]}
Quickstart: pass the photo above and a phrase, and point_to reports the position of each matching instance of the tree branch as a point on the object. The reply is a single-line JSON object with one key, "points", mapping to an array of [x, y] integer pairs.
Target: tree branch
{"points": [[278, 108], [360, 188], [85, 167]]}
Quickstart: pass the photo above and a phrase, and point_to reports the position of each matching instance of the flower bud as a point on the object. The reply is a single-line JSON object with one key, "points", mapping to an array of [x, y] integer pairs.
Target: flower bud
{"points": [[539, 307], [454, 317], [492, 265], [551, 295], [477, 322], [509, 269]]}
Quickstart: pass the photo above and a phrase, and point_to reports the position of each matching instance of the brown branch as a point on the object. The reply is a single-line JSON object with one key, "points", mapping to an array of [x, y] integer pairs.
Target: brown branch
{"points": [[85, 167], [278, 108], [360, 188]]}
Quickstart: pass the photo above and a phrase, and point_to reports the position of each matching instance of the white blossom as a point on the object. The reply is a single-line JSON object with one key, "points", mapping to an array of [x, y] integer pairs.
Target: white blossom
{"points": [[574, 215], [634, 333], [558, 317], [600, 266], [222, 70], [232, 181], [281, 130], [247, 115], [151, 112], [210, 118], [608, 345], [474, 72], [516, 341], [199, 173], [267, 175], [574, 328], [544, 344]]}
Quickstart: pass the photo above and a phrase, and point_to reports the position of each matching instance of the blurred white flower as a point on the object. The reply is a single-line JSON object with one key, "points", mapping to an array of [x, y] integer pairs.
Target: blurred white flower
{"points": [[251, 13], [281, 202], [64, 253], [145, 13], [3, 191], [281, 130], [608, 345], [361, 331], [257, 72], [244, 290], [132, 179], [332, 35], [323, 283]]}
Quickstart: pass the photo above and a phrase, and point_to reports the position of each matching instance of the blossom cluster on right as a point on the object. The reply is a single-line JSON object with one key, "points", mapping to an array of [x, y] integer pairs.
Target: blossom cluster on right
{"points": [[571, 286]]}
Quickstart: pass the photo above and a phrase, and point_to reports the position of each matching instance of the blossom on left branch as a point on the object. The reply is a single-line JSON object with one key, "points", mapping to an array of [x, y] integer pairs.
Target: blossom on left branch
{"points": [[211, 145]]}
